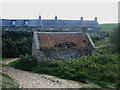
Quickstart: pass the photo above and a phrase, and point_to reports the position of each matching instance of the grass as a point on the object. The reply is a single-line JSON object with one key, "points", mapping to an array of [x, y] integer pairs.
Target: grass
{"points": [[100, 69], [91, 85], [5, 80], [8, 82], [108, 27], [98, 42]]}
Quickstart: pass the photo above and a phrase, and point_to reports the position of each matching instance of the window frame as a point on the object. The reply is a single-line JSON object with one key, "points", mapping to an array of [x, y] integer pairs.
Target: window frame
{"points": [[27, 22], [13, 22]]}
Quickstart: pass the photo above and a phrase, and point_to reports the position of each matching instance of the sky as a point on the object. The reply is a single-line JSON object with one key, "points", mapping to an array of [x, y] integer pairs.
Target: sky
{"points": [[106, 12]]}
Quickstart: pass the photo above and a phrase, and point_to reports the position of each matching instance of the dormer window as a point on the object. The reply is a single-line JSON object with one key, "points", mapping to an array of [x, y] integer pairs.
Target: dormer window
{"points": [[26, 23], [13, 23]]}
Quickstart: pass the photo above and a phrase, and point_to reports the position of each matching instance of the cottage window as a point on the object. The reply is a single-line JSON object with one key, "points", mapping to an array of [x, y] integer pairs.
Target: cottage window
{"points": [[13, 23], [26, 23]]}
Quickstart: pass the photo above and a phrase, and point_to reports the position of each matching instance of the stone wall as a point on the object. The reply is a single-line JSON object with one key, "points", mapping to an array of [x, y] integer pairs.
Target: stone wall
{"points": [[66, 54], [34, 49]]}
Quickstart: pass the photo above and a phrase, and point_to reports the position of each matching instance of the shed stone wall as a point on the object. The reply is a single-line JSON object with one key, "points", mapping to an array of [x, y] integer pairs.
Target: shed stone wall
{"points": [[66, 54]]}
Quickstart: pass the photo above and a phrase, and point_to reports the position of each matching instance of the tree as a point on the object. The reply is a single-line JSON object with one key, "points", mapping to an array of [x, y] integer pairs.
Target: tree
{"points": [[115, 38]]}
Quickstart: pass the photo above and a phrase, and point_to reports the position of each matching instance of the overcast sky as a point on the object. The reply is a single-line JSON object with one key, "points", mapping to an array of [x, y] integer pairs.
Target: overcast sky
{"points": [[107, 12]]}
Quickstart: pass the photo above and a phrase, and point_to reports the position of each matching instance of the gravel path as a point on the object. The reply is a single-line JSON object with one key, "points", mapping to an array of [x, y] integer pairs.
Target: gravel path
{"points": [[8, 61], [27, 79]]}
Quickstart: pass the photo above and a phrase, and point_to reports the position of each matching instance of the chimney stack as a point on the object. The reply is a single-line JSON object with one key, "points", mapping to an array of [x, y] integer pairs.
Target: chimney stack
{"points": [[95, 18], [39, 16], [81, 18], [55, 17]]}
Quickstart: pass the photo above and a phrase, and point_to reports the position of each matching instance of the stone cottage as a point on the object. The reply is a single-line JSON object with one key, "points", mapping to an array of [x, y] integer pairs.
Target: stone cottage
{"points": [[90, 26], [56, 45]]}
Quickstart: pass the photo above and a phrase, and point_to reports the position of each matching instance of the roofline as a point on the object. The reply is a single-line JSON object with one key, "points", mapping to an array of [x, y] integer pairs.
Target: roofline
{"points": [[36, 40], [51, 19], [58, 32], [90, 40]]}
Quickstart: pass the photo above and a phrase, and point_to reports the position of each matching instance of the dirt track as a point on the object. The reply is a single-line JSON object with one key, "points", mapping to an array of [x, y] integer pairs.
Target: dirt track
{"points": [[27, 79]]}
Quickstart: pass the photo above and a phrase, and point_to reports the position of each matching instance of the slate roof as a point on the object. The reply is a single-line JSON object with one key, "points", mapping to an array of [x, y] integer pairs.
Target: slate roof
{"points": [[50, 39], [20, 22], [52, 23]]}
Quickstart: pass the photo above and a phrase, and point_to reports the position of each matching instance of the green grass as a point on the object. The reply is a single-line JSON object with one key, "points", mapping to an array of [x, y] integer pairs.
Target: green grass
{"points": [[8, 82], [108, 28], [100, 69], [91, 85], [98, 42]]}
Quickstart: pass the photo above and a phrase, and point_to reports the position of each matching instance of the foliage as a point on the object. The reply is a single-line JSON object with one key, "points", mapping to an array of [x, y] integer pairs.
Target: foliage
{"points": [[114, 38], [26, 62], [102, 69], [97, 40], [108, 28], [48, 48], [16, 43], [27, 59], [7, 82], [91, 85]]}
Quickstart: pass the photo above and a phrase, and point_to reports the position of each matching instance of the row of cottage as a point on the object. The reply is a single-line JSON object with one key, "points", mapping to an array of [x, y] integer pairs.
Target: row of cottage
{"points": [[71, 38], [85, 26]]}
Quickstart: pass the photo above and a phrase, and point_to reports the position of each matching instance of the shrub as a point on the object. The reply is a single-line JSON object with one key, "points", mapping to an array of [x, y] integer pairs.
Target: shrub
{"points": [[16, 43], [118, 84], [95, 38], [101, 69], [27, 59], [114, 38]]}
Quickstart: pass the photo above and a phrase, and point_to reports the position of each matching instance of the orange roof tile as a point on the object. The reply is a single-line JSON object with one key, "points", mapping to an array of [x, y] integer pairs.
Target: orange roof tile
{"points": [[52, 39]]}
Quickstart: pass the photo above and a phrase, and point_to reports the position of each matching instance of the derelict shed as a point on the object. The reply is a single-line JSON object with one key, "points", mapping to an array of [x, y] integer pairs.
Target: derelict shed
{"points": [[56, 45]]}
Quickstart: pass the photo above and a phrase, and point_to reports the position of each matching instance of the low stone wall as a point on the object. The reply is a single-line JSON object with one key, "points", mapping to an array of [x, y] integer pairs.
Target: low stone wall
{"points": [[66, 54]]}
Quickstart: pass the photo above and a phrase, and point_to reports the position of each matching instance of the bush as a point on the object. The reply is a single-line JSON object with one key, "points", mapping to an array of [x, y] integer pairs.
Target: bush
{"points": [[16, 43], [118, 84], [24, 62], [97, 40], [27, 59], [114, 38], [101, 69]]}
